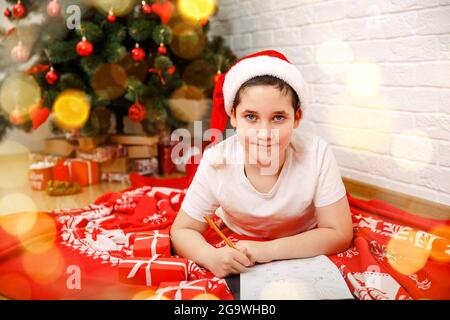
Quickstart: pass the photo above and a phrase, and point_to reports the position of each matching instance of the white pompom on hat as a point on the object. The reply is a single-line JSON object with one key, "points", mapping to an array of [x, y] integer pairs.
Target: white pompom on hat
{"points": [[268, 62]]}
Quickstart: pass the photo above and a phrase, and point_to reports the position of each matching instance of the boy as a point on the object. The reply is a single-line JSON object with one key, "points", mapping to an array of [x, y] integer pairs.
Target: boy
{"points": [[266, 181]]}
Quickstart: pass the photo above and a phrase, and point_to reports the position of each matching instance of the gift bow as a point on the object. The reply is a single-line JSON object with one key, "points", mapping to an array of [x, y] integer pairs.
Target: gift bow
{"points": [[148, 277], [183, 285], [155, 236]]}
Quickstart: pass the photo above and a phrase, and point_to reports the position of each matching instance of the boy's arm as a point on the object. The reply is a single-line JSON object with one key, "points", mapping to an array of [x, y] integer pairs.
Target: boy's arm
{"points": [[333, 234], [187, 239]]}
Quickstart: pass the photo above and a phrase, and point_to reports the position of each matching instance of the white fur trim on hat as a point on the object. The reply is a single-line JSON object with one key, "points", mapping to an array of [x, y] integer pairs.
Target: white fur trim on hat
{"points": [[259, 66]]}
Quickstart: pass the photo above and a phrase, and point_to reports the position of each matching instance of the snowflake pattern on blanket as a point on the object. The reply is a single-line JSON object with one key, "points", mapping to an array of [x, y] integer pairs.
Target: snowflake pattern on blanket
{"points": [[77, 253]]}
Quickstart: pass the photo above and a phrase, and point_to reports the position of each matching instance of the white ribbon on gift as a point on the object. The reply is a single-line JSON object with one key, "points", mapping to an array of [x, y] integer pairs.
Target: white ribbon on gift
{"points": [[67, 163], [148, 276], [155, 236], [183, 285]]}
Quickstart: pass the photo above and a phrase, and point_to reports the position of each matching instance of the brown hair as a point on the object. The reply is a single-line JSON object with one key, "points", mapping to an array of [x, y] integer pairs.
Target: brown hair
{"points": [[268, 81]]}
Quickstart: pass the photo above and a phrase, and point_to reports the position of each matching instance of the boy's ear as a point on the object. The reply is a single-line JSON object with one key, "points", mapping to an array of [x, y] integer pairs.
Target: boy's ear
{"points": [[297, 118], [233, 117]]}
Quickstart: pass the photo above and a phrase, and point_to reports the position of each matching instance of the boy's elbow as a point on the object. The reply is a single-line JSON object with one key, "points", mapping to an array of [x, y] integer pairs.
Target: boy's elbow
{"points": [[344, 242]]}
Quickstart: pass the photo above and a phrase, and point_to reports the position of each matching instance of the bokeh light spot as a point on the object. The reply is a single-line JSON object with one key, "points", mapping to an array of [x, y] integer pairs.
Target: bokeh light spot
{"points": [[14, 164], [19, 92], [188, 39], [405, 255], [144, 295], [334, 56], [71, 109], [412, 145], [196, 9], [363, 79], [205, 296], [15, 286], [22, 221], [109, 81], [44, 267]]}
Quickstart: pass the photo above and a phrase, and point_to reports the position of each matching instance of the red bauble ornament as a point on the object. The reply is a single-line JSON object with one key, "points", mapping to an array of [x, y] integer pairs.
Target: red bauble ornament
{"points": [[16, 117], [162, 49], [137, 112], [19, 53], [171, 69], [137, 53], [84, 48], [111, 17], [19, 10], [146, 8], [51, 76], [53, 8], [7, 13]]}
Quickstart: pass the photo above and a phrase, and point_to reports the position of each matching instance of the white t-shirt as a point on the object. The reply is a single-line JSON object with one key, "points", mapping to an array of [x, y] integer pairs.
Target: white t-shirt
{"points": [[309, 178]]}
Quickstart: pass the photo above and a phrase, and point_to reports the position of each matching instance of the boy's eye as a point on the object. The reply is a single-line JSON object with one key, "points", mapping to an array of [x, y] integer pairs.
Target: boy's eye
{"points": [[250, 117], [279, 118]]}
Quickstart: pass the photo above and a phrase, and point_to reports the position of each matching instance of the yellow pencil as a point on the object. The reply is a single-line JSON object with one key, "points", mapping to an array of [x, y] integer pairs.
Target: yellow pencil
{"points": [[216, 229]]}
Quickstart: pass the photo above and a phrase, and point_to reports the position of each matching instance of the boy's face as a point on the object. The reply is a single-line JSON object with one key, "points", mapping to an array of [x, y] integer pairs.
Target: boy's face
{"points": [[264, 120]]}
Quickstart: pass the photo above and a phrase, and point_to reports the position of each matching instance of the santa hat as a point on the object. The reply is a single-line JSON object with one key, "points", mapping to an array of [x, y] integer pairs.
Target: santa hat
{"points": [[268, 62]]}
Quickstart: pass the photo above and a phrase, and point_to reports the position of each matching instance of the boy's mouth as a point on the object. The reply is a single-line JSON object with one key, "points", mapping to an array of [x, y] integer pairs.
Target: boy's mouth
{"points": [[264, 145]]}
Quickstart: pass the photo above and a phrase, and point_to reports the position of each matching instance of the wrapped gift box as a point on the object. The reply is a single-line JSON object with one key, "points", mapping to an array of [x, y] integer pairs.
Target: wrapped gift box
{"points": [[214, 288], [182, 290], [42, 157], [115, 177], [151, 243], [39, 174], [103, 153], [58, 147], [153, 271], [61, 171], [143, 151], [119, 165], [135, 140], [148, 166], [84, 172], [88, 144]]}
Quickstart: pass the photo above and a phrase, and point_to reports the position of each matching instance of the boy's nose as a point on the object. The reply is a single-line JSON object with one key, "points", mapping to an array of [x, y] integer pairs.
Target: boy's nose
{"points": [[267, 134]]}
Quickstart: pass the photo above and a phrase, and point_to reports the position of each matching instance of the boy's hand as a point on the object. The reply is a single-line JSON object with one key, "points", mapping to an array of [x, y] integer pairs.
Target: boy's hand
{"points": [[224, 261], [256, 251]]}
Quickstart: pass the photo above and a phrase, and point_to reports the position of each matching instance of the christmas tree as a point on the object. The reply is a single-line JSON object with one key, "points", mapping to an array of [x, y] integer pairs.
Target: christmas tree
{"points": [[98, 58]]}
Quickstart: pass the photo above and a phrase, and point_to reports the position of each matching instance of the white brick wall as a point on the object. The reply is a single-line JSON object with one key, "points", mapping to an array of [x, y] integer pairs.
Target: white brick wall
{"points": [[398, 137]]}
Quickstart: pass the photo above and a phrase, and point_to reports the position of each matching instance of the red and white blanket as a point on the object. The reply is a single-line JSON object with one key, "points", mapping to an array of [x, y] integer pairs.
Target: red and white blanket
{"points": [[75, 253]]}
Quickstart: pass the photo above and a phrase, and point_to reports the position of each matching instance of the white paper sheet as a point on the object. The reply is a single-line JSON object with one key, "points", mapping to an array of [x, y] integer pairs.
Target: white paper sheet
{"points": [[314, 278]]}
